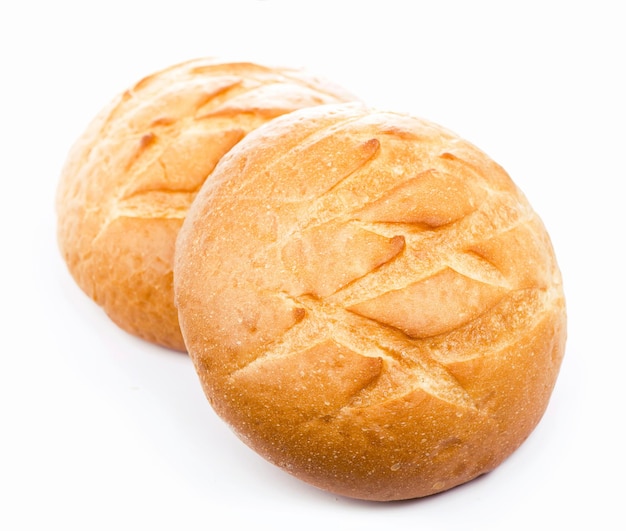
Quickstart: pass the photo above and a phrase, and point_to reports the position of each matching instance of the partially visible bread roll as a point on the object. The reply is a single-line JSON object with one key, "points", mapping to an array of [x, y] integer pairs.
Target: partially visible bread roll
{"points": [[130, 178], [370, 302]]}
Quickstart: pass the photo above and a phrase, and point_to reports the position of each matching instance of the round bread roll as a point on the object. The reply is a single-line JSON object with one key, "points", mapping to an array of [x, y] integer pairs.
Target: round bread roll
{"points": [[370, 302], [130, 178]]}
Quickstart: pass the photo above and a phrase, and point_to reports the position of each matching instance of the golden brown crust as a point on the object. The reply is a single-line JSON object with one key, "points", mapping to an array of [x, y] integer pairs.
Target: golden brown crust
{"points": [[370, 302], [130, 178]]}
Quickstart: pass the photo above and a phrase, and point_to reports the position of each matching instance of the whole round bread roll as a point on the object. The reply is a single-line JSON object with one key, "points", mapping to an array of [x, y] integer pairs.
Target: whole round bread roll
{"points": [[130, 178], [370, 302]]}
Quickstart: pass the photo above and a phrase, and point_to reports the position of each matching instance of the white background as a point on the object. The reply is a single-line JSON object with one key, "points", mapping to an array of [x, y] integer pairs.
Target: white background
{"points": [[99, 430]]}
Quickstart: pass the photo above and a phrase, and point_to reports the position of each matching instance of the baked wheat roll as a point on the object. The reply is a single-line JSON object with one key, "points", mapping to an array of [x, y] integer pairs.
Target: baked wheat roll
{"points": [[370, 302], [129, 179]]}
